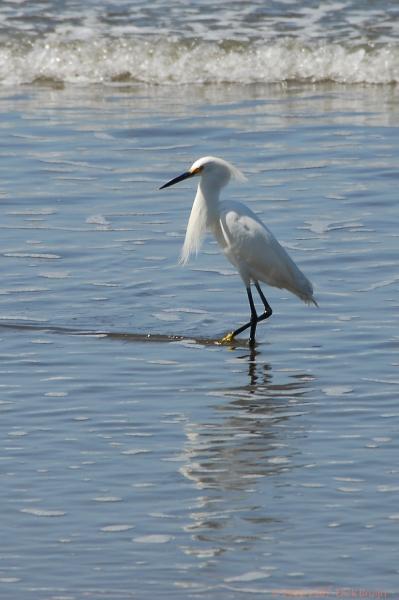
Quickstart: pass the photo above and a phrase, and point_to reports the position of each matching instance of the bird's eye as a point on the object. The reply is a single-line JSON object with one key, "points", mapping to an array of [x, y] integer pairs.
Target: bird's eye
{"points": [[197, 171]]}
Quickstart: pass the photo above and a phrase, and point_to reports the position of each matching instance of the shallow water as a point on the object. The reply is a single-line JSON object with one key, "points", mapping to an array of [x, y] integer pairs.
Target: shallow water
{"points": [[139, 458]]}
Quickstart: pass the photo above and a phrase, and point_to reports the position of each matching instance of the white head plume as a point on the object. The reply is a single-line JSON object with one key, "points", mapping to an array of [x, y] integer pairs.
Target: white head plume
{"points": [[208, 164]]}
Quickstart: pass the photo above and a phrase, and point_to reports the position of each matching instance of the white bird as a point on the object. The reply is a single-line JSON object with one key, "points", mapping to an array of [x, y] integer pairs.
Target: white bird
{"points": [[246, 242]]}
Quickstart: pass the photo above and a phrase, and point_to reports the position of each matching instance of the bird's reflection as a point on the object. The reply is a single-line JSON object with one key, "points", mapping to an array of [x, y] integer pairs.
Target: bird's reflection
{"points": [[256, 373], [232, 458]]}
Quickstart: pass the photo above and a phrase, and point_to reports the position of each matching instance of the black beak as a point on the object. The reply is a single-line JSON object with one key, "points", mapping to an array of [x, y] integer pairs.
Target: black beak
{"points": [[177, 179]]}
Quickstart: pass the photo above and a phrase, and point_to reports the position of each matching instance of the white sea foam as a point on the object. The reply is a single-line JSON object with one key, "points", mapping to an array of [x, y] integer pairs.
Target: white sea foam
{"points": [[101, 59], [41, 512]]}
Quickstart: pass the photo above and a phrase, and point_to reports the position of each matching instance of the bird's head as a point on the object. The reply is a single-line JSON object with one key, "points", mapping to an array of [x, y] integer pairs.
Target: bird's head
{"points": [[214, 171]]}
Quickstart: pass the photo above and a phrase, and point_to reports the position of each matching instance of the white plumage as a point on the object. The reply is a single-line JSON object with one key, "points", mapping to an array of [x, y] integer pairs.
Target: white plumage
{"points": [[246, 242]]}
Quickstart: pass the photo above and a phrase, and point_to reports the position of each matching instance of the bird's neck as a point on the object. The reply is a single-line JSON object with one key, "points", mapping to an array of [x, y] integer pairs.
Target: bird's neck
{"points": [[204, 215], [208, 199]]}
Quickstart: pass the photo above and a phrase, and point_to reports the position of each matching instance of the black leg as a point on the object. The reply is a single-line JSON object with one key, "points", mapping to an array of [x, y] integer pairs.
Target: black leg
{"points": [[268, 309], [255, 318], [252, 323]]}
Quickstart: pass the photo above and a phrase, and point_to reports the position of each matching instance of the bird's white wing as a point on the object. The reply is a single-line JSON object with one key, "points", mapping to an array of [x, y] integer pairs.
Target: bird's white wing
{"points": [[257, 254]]}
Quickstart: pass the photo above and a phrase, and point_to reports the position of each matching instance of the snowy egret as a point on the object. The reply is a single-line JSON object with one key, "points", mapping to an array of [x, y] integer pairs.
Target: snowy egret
{"points": [[246, 242]]}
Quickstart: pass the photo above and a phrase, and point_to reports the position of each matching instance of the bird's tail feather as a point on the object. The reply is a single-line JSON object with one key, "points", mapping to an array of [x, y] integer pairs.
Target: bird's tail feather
{"points": [[311, 301]]}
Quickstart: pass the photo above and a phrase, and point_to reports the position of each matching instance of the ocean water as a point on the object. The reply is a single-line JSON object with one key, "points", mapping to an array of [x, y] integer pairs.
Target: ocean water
{"points": [[139, 458], [202, 42]]}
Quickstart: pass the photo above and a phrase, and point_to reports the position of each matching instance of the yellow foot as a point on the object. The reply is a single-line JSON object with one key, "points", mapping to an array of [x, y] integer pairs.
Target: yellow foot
{"points": [[227, 338]]}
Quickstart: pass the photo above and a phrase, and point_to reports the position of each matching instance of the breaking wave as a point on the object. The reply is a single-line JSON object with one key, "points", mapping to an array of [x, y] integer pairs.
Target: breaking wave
{"points": [[161, 61]]}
